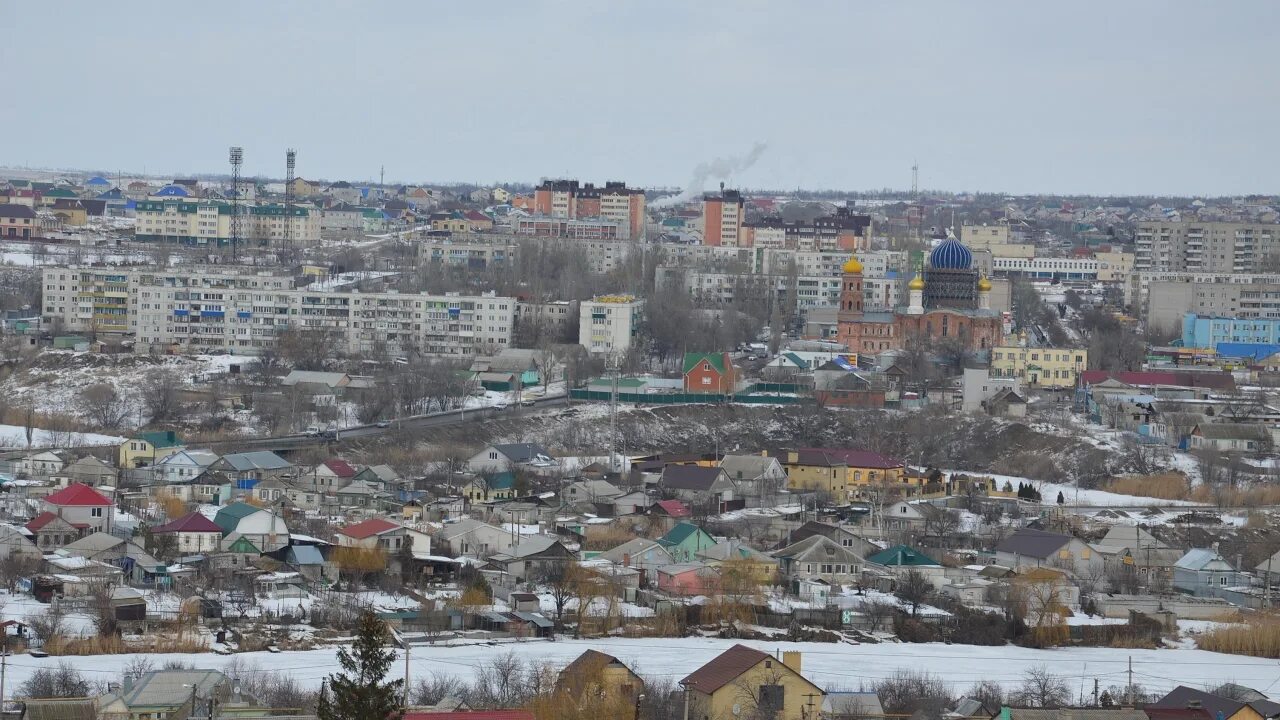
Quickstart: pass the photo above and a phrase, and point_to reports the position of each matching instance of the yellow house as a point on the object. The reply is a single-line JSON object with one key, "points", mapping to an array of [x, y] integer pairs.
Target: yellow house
{"points": [[838, 471], [745, 682], [303, 188], [600, 675], [1047, 367], [148, 448]]}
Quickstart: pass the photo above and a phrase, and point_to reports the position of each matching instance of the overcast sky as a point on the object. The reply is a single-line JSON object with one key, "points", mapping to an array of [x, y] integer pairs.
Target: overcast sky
{"points": [[1099, 97]]}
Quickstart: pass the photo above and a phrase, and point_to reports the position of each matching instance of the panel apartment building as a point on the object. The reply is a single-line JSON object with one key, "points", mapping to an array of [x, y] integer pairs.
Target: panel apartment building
{"points": [[844, 230], [572, 200], [1212, 247], [203, 223], [242, 310]]}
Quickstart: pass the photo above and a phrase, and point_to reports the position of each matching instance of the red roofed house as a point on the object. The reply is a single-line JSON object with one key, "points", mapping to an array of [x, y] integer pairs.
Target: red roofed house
{"points": [[370, 534], [478, 221], [82, 507], [52, 532], [332, 474], [745, 682], [194, 532]]}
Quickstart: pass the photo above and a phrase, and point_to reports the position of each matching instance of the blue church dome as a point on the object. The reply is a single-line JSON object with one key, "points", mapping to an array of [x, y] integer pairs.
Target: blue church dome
{"points": [[950, 255]]}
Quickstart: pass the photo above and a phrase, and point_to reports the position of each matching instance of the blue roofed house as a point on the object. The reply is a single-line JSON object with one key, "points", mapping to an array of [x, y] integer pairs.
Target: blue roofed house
{"points": [[684, 541], [1202, 572]]}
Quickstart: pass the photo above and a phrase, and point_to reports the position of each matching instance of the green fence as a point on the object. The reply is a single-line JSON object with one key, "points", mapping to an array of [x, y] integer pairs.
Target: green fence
{"points": [[682, 398]]}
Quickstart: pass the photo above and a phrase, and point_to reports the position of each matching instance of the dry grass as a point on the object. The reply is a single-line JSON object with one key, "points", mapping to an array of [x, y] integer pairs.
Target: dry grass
{"points": [[1259, 637], [606, 537], [1237, 497], [1165, 486], [116, 645]]}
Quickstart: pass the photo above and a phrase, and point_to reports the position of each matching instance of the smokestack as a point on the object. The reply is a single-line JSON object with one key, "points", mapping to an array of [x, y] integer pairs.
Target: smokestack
{"points": [[791, 658]]}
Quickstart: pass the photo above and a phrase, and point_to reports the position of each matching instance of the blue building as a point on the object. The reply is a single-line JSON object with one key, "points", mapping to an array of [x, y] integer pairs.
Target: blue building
{"points": [[1208, 331]]}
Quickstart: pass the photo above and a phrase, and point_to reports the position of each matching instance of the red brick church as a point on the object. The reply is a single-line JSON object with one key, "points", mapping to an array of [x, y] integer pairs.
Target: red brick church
{"points": [[947, 299]]}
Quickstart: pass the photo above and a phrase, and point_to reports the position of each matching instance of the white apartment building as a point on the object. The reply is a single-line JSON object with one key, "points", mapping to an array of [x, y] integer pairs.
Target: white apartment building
{"points": [[1216, 247], [607, 323], [243, 311], [203, 223]]}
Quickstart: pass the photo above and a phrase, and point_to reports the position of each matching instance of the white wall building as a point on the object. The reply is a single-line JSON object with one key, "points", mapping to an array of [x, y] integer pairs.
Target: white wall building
{"points": [[607, 323]]}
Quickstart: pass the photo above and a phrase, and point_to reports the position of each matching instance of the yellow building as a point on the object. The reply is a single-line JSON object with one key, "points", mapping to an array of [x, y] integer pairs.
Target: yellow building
{"points": [[1114, 266], [745, 682], [148, 448], [599, 675], [838, 471], [1040, 367]]}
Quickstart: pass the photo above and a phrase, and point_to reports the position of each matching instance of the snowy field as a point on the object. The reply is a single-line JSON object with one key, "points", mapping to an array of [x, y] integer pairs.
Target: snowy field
{"points": [[832, 666], [15, 436], [1080, 497]]}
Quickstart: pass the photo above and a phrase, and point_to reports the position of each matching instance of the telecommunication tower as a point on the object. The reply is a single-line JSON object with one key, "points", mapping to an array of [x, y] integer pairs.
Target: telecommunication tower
{"points": [[290, 162], [237, 160], [915, 179]]}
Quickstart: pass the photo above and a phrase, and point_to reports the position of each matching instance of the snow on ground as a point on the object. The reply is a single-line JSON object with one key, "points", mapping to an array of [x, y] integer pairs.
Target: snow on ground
{"points": [[832, 666], [1079, 496], [15, 436]]}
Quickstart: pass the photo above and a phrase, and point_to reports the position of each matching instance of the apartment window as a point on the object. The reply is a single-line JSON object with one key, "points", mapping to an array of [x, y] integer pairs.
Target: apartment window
{"points": [[95, 512]]}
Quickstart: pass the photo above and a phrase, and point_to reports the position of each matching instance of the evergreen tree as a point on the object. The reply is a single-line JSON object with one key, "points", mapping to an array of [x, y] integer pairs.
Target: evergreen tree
{"points": [[1061, 500], [1105, 699], [360, 691]]}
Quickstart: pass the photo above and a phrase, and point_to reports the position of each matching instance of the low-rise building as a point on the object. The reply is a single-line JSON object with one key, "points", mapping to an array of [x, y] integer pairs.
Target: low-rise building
{"points": [[1045, 367]]}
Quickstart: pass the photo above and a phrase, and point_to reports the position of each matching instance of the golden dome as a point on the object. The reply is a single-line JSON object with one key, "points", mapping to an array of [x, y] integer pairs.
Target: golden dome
{"points": [[984, 285], [917, 283], [852, 265]]}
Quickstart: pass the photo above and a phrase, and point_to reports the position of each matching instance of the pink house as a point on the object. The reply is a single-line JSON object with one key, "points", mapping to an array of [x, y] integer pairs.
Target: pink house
{"points": [[687, 579]]}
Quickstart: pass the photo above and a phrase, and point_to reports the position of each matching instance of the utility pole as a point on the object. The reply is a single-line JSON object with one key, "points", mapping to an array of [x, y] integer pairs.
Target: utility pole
{"points": [[1129, 691], [1095, 692], [406, 672], [4, 657]]}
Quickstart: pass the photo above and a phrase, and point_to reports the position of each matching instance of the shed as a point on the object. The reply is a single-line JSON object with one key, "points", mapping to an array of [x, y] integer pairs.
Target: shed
{"points": [[128, 604]]}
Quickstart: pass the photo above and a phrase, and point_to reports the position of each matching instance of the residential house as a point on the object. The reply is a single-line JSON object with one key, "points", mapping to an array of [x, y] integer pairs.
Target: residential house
{"points": [[749, 562], [330, 475], [1006, 402], [382, 478], [1029, 548], [15, 543], [51, 532], [706, 487], [139, 566], [841, 473], [270, 492], [1132, 549], [210, 487], [184, 464], [905, 516], [82, 506], [818, 558], [684, 541], [590, 492], [759, 477], [509, 456], [599, 675], [711, 373], [688, 579], [90, 471], [1204, 573], [375, 533], [490, 488], [745, 682], [1232, 437], [532, 557], [148, 448], [902, 556], [249, 468], [193, 534], [42, 464], [864, 705], [357, 494], [474, 539], [843, 536], [168, 694], [1218, 707], [644, 555], [266, 530]]}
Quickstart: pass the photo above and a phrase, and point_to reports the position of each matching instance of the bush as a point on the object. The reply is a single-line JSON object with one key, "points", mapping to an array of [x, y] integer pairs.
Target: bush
{"points": [[1259, 637]]}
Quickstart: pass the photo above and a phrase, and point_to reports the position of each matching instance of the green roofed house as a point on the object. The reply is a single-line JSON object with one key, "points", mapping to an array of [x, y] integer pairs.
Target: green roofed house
{"points": [[499, 486], [147, 448], [710, 373], [684, 541], [902, 556], [264, 529]]}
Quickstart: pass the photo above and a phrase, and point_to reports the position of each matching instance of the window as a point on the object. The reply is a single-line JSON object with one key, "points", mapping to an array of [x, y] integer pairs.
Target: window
{"points": [[95, 512]]}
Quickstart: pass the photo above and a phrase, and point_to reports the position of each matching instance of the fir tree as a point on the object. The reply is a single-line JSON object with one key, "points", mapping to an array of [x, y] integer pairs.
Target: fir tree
{"points": [[1061, 499], [360, 691], [1105, 699]]}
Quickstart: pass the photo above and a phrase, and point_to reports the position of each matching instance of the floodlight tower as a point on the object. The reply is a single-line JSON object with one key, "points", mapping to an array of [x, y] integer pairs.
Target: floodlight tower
{"points": [[237, 160], [290, 162]]}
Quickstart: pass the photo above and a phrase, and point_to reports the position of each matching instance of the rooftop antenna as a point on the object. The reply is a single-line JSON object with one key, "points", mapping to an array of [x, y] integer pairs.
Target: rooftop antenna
{"points": [[237, 160], [290, 162]]}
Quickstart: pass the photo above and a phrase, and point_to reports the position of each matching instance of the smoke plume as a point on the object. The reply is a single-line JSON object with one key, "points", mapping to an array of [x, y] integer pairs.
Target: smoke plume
{"points": [[711, 170]]}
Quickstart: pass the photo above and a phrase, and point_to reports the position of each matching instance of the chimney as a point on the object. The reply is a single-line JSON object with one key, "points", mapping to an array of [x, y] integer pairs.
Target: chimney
{"points": [[791, 658]]}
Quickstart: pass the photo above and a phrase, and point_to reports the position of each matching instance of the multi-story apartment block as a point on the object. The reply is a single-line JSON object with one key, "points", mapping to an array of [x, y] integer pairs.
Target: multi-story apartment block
{"points": [[582, 229], [552, 316], [195, 222], [615, 202], [845, 230], [1200, 331], [723, 217], [244, 311], [1214, 247], [607, 323], [475, 251], [1039, 366], [1137, 288], [810, 291], [1168, 301], [998, 239], [1047, 268]]}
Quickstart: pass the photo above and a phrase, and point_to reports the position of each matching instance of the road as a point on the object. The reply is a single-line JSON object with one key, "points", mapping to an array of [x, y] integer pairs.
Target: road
{"points": [[413, 422]]}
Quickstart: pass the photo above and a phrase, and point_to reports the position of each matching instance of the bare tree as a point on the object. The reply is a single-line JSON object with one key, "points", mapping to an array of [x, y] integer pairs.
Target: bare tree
{"points": [[914, 589], [1041, 689], [104, 405], [160, 395]]}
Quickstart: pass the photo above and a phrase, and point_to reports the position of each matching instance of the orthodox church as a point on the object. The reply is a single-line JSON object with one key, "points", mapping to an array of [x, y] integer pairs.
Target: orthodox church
{"points": [[947, 299]]}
